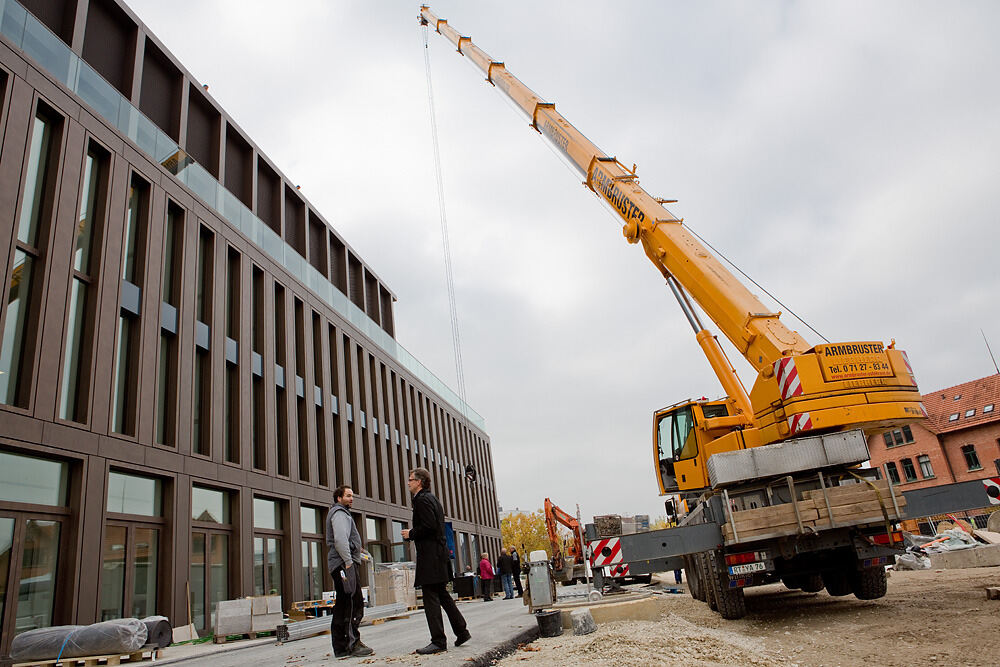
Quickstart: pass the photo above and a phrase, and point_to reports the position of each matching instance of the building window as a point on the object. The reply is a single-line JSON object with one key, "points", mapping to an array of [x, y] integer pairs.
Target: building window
{"points": [[16, 348], [399, 546], [900, 436], [971, 458], [988, 408], [953, 417], [210, 539], [131, 546], [166, 388], [908, 470], [375, 533], [313, 565], [126, 360], [893, 472], [267, 547], [970, 413], [79, 325], [925, 466]]}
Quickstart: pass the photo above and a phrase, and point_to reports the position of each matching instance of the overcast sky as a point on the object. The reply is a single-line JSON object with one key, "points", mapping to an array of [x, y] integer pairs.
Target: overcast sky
{"points": [[843, 154]]}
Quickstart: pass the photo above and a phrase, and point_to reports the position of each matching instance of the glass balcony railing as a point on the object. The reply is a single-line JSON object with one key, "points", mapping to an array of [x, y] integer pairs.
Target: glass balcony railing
{"points": [[39, 43]]}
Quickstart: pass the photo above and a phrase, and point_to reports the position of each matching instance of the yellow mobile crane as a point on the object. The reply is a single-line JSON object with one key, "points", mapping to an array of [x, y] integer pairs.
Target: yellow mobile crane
{"points": [[800, 429]]}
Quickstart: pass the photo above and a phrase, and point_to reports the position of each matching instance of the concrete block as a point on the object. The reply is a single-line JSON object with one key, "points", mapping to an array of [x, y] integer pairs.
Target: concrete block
{"points": [[583, 621], [273, 604], [265, 622], [643, 609], [233, 617], [984, 556]]}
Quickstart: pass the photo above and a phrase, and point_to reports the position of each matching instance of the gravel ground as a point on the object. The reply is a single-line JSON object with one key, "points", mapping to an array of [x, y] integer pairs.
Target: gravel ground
{"points": [[928, 617]]}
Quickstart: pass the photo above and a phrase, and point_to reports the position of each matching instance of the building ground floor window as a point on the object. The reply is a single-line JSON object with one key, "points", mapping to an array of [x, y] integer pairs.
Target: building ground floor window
{"points": [[29, 552], [129, 571], [209, 576]]}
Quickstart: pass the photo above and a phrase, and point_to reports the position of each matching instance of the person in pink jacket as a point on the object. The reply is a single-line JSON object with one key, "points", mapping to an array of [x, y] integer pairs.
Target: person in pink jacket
{"points": [[486, 577]]}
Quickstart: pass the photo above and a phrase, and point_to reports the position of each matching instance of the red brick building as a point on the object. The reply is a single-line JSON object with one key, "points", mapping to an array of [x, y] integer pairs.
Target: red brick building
{"points": [[959, 440]]}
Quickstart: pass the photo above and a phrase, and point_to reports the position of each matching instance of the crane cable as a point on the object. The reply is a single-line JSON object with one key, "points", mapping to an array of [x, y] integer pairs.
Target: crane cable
{"points": [[449, 275]]}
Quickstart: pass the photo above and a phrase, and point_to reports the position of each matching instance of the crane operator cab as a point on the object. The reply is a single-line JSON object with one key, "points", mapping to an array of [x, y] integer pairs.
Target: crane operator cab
{"points": [[682, 434]]}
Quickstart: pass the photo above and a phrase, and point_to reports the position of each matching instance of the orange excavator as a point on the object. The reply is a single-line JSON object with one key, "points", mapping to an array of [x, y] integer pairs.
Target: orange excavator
{"points": [[567, 555]]}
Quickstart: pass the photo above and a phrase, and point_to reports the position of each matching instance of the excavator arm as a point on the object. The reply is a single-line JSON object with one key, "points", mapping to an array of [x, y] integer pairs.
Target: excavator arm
{"points": [[554, 515]]}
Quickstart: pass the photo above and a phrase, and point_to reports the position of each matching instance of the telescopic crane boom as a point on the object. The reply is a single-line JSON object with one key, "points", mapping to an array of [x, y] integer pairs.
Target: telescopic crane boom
{"points": [[799, 389]]}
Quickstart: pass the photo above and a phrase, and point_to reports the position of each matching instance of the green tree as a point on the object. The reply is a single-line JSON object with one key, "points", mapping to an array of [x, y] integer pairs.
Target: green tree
{"points": [[526, 532]]}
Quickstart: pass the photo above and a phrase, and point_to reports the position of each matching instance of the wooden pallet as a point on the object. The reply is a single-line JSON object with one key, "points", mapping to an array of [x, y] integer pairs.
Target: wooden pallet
{"points": [[223, 639], [97, 660]]}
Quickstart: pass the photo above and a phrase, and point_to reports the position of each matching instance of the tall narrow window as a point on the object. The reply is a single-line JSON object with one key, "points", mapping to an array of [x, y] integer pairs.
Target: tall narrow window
{"points": [[166, 390], [79, 322], [202, 428], [133, 258], [232, 424], [319, 396], [281, 430], [300, 400], [971, 458], [17, 343], [257, 382], [232, 449], [203, 302]]}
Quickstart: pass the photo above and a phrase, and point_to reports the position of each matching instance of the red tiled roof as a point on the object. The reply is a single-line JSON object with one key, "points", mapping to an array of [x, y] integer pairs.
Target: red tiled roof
{"points": [[961, 398]]}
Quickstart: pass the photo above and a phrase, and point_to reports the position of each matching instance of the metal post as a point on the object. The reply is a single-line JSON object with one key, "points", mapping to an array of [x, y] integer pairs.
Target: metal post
{"points": [[579, 531]]}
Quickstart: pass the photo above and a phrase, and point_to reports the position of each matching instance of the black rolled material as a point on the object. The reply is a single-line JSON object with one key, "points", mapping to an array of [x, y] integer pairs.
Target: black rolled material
{"points": [[159, 633]]}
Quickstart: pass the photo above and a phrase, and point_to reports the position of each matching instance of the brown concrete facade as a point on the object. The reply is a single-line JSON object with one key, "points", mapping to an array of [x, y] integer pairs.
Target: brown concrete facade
{"points": [[196, 362]]}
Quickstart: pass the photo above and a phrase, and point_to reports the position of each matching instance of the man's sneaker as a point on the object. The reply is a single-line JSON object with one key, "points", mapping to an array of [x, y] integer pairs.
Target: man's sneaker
{"points": [[462, 638], [360, 650], [431, 648]]}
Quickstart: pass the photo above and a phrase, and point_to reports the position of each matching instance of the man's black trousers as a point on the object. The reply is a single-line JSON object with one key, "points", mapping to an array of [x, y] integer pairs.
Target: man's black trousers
{"points": [[348, 610], [435, 597]]}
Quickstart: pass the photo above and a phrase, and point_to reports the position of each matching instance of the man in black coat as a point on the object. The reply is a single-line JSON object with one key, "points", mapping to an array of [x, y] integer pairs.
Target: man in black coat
{"points": [[517, 571], [433, 564]]}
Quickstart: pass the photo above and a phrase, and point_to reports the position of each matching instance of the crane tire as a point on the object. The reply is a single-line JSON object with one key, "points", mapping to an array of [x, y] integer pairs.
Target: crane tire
{"points": [[838, 582], [870, 583], [729, 602]]}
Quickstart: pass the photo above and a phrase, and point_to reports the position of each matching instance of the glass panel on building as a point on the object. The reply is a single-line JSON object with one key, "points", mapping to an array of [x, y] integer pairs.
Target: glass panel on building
{"points": [[6, 546], [925, 466], [27, 479], [144, 582], [132, 494], [209, 505], [36, 596], [266, 514], [310, 520], [113, 573]]}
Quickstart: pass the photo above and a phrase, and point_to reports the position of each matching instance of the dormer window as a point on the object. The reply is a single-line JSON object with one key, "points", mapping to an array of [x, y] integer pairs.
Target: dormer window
{"points": [[970, 413], [953, 417], [988, 408]]}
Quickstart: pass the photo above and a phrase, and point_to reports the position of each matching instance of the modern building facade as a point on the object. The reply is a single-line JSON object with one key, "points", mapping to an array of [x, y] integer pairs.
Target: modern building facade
{"points": [[958, 442], [191, 357]]}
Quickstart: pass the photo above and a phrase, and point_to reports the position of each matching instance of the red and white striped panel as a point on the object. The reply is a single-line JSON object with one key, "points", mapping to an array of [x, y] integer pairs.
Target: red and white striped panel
{"points": [[788, 377], [799, 423], [618, 570], [993, 490], [909, 369], [605, 552]]}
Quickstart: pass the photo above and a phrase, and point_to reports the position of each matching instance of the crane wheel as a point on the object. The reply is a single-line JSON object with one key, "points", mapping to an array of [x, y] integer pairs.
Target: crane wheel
{"points": [[869, 584], [838, 582], [729, 602], [696, 584]]}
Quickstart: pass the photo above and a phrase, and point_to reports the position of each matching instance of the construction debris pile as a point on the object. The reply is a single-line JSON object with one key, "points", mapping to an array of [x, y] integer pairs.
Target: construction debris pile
{"points": [[950, 537]]}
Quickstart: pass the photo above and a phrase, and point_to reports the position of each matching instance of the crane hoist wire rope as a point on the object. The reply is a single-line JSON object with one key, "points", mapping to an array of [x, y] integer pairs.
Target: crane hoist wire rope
{"points": [[449, 273]]}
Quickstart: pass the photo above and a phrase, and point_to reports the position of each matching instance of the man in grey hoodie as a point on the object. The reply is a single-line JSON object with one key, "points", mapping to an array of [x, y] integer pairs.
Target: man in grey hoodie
{"points": [[343, 558]]}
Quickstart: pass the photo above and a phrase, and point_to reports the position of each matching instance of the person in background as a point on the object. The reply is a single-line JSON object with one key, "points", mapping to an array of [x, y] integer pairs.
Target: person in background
{"points": [[505, 564], [342, 560], [486, 576], [433, 564], [517, 571]]}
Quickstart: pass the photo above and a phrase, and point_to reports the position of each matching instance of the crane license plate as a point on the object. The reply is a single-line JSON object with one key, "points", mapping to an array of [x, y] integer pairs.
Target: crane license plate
{"points": [[747, 568], [848, 361]]}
